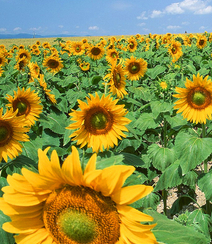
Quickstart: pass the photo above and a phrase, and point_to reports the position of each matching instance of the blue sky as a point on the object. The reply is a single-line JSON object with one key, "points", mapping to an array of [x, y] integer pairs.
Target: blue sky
{"points": [[103, 18]]}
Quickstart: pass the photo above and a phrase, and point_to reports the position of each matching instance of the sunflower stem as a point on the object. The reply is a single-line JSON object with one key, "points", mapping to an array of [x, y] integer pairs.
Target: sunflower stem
{"points": [[205, 163], [164, 195]]}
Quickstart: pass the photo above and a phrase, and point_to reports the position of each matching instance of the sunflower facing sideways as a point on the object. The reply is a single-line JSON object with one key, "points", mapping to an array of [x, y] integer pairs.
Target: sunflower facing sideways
{"points": [[135, 68], [63, 204], [53, 64], [28, 104], [175, 50], [195, 101], [116, 80], [99, 123], [12, 131]]}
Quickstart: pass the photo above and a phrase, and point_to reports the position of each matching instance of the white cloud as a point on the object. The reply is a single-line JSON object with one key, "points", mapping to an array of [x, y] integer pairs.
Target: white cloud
{"points": [[206, 10], [60, 26], [93, 28], [156, 13], [185, 23], [3, 29], [142, 15], [141, 24], [77, 27], [174, 8], [35, 28], [202, 27], [17, 29], [173, 27]]}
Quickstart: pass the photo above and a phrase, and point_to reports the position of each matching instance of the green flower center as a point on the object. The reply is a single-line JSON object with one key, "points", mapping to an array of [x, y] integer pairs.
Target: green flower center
{"points": [[134, 68], [3, 133], [77, 226], [99, 121], [199, 98], [22, 107]]}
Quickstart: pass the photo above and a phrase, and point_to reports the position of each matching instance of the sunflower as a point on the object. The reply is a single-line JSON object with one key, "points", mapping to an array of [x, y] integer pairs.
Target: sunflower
{"points": [[175, 50], [132, 45], [99, 123], [46, 45], [34, 69], [201, 42], [163, 85], [3, 60], [21, 64], [77, 48], [23, 54], [195, 101], [53, 64], [63, 204], [112, 55], [12, 131], [95, 52], [135, 68], [85, 66], [27, 103], [36, 51], [117, 80], [1, 71]]}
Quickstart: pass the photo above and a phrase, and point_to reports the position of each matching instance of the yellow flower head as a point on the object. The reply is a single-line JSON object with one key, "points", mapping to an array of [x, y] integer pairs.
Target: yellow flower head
{"points": [[12, 131], [99, 123], [195, 101], [53, 64], [63, 204], [27, 103]]}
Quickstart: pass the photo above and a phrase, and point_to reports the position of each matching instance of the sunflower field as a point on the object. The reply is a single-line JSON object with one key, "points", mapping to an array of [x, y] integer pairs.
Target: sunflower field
{"points": [[107, 141]]}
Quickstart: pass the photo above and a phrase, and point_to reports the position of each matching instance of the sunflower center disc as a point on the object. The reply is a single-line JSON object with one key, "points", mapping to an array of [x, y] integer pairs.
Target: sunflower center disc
{"points": [[199, 98], [3, 133], [96, 51], [80, 215], [99, 121], [22, 107], [77, 226], [134, 68]]}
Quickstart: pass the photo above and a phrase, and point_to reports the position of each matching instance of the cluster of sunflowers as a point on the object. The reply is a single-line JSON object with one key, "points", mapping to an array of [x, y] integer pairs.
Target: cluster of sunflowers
{"points": [[111, 87]]}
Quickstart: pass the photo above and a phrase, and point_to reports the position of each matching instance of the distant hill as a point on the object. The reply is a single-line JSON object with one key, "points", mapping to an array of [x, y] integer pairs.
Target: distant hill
{"points": [[28, 36]]}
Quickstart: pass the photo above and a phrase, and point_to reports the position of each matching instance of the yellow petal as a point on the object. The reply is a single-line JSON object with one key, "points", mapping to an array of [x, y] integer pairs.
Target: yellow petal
{"points": [[35, 238], [91, 165], [130, 194], [134, 214]]}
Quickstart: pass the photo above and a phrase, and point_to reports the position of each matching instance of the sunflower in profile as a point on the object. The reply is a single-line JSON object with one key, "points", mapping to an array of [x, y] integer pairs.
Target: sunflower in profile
{"points": [[21, 64], [34, 69], [195, 101], [85, 66], [77, 48], [27, 103], [117, 80], [53, 64], [3, 60], [95, 52], [1, 71], [23, 53], [63, 204], [12, 132], [99, 123], [135, 68], [201, 42], [175, 50]]}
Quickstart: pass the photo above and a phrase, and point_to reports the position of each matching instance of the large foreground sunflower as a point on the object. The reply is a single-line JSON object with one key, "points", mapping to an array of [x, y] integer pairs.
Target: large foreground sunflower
{"points": [[28, 104], [135, 68], [12, 132], [63, 204], [195, 101], [99, 123]]}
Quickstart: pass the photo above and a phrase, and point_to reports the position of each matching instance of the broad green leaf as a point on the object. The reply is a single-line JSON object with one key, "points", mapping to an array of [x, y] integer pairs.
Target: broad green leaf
{"points": [[150, 201], [161, 157], [132, 159], [154, 72], [170, 232], [6, 238], [192, 150], [160, 107], [176, 121], [3, 182], [190, 179], [171, 177], [141, 92], [204, 183], [145, 121], [107, 162]]}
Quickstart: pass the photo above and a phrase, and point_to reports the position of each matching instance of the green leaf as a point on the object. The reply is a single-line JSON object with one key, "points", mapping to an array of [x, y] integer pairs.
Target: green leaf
{"points": [[161, 157], [141, 92], [171, 177], [170, 232], [176, 121], [150, 201], [3, 182], [160, 107], [132, 159], [107, 162], [145, 121], [191, 150], [154, 72], [6, 238], [204, 181]]}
